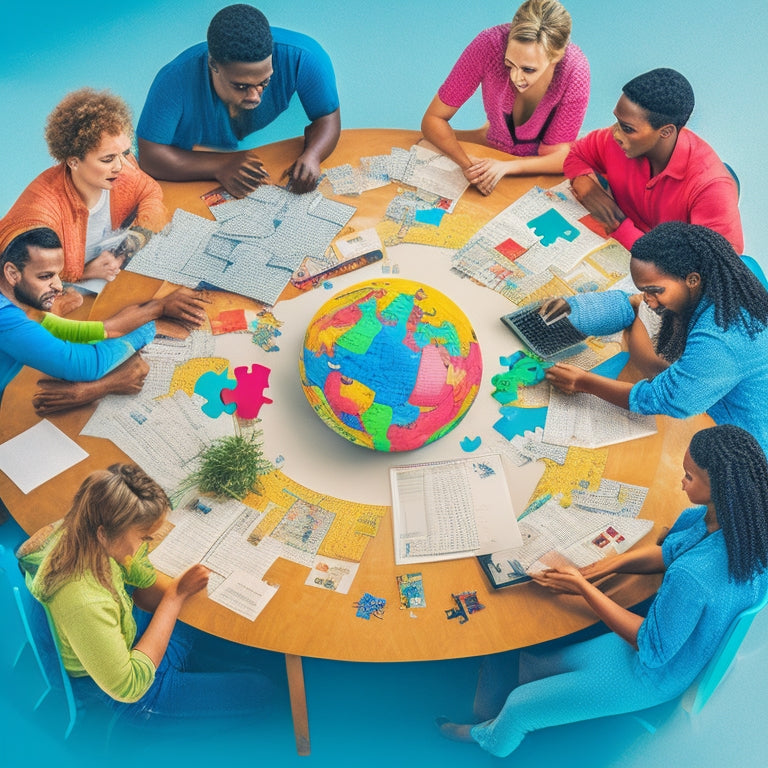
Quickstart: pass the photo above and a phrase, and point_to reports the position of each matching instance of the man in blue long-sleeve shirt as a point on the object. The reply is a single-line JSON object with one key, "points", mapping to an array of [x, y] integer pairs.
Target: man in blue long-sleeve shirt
{"points": [[29, 280]]}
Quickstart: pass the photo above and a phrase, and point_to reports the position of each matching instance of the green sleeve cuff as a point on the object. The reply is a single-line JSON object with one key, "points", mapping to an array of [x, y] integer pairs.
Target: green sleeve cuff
{"points": [[79, 331]]}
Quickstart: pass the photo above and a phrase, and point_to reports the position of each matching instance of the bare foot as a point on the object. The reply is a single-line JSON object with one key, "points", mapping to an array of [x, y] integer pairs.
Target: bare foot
{"points": [[67, 301], [454, 731], [55, 395]]}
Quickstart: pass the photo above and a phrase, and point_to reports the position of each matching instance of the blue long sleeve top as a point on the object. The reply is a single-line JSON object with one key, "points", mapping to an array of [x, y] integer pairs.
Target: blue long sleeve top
{"points": [[25, 342], [696, 603], [721, 372]]}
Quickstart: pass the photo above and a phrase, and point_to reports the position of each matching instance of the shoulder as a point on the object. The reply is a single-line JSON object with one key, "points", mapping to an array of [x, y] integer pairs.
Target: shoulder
{"points": [[11, 314], [286, 42], [492, 39], [187, 60], [694, 159], [574, 61]]}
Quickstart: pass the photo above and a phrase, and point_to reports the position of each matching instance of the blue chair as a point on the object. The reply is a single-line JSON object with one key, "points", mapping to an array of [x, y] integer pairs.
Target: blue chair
{"points": [[735, 178], [756, 268], [712, 675], [32, 629]]}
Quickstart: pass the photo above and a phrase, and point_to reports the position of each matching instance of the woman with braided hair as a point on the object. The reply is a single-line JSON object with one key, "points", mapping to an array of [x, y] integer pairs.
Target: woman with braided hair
{"points": [[714, 562], [91, 570], [711, 354]]}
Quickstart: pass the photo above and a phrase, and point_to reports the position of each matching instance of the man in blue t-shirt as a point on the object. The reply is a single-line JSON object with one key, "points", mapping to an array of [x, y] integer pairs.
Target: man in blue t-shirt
{"points": [[216, 93]]}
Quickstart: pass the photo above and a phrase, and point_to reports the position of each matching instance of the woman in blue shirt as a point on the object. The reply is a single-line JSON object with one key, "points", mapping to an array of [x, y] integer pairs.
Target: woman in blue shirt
{"points": [[714, 562], [711, 354]]}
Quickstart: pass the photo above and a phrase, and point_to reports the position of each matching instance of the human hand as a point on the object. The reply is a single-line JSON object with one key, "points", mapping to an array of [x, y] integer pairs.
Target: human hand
{"points": [[567, 378], [56, 396], [485, 173], [241, 172], [192, 581], [185, 305], [303, 174], [554, 309], [588, 191], [106, 266], [564, 579]]}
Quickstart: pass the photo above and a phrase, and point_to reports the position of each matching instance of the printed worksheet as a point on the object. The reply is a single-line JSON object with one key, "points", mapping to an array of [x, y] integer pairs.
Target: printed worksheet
{"points": [[449, 509], [589, 422]]}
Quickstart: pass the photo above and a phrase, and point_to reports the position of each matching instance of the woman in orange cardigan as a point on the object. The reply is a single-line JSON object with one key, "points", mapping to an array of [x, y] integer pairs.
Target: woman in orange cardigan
{"points": [[94, 193]]}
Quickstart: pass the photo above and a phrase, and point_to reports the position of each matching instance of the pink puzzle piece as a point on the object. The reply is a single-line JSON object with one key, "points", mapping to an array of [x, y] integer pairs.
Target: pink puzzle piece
{"points": [[249, 392]]}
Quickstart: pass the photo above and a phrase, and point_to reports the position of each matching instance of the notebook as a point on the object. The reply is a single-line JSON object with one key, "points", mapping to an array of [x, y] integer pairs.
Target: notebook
{"points": [[551, 342]]}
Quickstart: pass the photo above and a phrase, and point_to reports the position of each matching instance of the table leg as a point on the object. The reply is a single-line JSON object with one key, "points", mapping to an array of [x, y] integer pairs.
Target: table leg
{"points": [[298, 696]]}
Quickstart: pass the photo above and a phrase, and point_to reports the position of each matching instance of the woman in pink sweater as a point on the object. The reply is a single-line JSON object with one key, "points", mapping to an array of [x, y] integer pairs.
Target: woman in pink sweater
{"points": [[535, 87], [94, 192]]}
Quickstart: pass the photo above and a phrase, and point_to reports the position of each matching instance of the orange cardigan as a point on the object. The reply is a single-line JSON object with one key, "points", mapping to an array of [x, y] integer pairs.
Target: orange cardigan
{"points": [[51, 200]]}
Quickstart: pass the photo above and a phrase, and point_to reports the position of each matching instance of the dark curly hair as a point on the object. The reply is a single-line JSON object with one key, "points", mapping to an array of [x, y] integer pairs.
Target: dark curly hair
{"points": [[678, 249], [239, 33], [80, 120], [664, 94], [738, 477]]}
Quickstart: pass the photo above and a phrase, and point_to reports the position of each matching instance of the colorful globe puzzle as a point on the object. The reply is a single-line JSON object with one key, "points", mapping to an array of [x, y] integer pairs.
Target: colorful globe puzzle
{"points": [[390, 364]]}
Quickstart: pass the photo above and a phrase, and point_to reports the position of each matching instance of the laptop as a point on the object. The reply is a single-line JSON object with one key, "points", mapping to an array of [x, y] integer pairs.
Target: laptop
{"points": [[552, 342]]}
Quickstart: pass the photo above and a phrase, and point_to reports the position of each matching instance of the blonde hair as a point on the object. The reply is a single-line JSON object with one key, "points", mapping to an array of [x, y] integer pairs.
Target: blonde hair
{"points": [[80, 120], [113, 500], [545, 22]]}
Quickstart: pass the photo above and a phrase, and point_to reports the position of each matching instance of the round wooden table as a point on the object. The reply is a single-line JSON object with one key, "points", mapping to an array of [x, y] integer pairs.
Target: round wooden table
{"points": [[302, 621]]}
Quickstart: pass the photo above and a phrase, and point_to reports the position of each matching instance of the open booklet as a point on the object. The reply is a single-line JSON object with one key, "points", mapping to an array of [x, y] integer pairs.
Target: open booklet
{"points": [[450, 509], [553, 534]]}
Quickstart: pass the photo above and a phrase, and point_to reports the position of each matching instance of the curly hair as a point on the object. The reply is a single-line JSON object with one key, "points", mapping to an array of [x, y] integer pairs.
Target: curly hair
{"points": [[664, 94], [239, 33], [80, 120], [113, 500], [678, 249], [738, 477], [545, 22]]}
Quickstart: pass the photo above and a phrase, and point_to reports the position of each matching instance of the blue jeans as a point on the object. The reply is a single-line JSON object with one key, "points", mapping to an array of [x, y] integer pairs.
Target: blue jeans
{"points": [[180, 690]]}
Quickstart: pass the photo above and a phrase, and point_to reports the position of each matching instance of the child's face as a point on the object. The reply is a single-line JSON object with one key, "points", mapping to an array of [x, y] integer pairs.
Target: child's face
{"points": [[125, 546]]}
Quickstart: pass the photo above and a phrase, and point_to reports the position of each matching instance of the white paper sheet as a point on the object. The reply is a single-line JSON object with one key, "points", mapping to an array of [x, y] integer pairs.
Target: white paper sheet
{"points": [[38, 454]]}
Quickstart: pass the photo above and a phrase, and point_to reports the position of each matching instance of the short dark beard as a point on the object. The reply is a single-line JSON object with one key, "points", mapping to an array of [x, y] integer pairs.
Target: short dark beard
{"points": [[28, 300]]}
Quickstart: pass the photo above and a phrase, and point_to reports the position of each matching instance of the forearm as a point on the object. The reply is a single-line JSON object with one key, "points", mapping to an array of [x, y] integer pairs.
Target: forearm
{"points": [[610, 390], [642, 351], [132, 317], [438, 131], [547, 162], [163, 161], [322, 135], [647, 559], [157, 635]]}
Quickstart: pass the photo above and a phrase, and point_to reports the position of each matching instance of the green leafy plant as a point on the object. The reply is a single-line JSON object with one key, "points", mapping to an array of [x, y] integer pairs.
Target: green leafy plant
{"points": [[230, 466]]}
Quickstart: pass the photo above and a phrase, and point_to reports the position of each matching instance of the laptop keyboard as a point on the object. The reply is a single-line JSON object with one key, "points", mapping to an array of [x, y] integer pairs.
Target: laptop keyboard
{"points": [[545, 340]]}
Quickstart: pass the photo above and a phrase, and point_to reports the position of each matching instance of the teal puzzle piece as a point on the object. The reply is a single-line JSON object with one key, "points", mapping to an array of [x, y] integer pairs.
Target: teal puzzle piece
{"points": [[551, 225], [210, 386]]}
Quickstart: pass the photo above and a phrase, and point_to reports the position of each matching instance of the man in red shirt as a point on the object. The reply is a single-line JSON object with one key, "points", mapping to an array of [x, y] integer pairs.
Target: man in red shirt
{"points": [[656, 169]]}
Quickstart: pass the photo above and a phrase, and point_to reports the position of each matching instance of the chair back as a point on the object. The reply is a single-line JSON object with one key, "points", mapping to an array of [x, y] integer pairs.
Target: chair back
{"points": [[756, 268], [712, 675], [33, 629]]}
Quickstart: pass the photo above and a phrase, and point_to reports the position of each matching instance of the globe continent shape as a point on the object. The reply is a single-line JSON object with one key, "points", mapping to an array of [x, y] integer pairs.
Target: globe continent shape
{"points": [[390, 364]]}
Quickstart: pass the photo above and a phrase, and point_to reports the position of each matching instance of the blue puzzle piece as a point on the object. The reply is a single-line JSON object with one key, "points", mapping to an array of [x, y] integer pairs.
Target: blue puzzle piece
{"points": [[517, 421], [469, 444], [551, 225], [209, 386], [430, 216]]}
